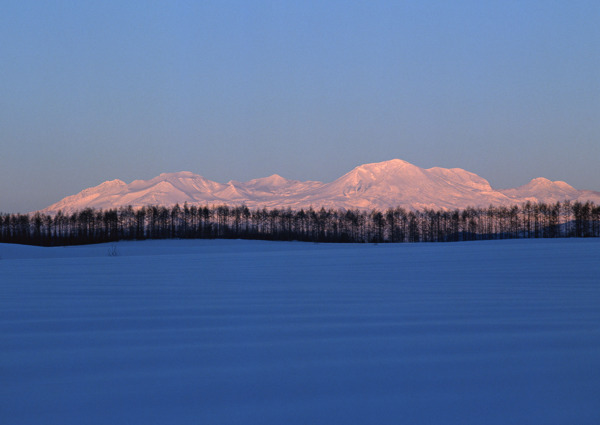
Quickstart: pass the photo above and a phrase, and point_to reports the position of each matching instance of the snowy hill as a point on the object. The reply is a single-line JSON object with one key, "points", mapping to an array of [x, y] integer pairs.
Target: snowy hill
{"points": [[370, 186], [399, 183]]}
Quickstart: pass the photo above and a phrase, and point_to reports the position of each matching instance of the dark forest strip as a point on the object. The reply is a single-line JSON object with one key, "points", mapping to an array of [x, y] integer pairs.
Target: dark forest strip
{"points": [[530, 220]]}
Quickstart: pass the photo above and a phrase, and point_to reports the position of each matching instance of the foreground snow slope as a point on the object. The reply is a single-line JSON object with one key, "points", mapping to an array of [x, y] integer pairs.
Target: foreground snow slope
{"points": [[245, 332]]}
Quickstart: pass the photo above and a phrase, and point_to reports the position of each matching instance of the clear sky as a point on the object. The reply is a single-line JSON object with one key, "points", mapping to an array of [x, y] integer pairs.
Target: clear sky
{"points": [[94, 91]]}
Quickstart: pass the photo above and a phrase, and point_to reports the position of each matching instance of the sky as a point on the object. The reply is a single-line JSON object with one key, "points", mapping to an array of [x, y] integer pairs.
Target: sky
{"points": [[236, 90]]}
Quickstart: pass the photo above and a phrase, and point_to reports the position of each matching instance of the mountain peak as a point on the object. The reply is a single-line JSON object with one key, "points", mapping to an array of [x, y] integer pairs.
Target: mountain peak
{"points": [[110, 183], [545, 190], [544, 182], [379, 185], [392, 164], [274, 181], [275, 178], [377, 171], [541, 181]]}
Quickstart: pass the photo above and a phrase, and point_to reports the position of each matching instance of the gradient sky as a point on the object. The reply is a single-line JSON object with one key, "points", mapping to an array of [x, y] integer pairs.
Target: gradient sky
{"points": [[93, 91]]}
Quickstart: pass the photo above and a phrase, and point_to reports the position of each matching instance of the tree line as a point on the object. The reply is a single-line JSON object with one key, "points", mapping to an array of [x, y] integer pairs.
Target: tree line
{"points": [[529, 220]]}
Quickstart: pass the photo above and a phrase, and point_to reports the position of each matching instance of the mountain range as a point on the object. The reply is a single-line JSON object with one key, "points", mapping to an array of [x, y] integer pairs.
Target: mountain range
{"points": [[394, 183]]}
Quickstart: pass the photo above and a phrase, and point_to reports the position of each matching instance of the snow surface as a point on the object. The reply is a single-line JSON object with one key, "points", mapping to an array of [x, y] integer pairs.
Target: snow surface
{"points": [[248, 332]]}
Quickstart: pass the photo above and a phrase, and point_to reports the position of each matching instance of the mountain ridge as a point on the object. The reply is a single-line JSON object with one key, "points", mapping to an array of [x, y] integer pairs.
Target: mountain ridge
{"points": [[381, 185]]}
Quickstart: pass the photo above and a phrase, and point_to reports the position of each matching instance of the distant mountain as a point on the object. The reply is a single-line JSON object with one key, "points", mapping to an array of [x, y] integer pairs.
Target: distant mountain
{"points": [[370, 186]]}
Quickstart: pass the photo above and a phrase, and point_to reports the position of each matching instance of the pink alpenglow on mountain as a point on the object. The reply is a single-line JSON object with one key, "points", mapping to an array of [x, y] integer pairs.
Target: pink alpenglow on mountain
{"points": [[381, 185]]}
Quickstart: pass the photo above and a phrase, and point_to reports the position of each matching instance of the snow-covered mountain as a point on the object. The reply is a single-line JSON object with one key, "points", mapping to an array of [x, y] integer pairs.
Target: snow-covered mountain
{"points": [[370, 186]]}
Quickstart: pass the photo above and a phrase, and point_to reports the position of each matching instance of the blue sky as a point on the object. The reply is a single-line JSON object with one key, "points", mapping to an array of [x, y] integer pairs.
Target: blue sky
{"points": [[93, 91]]}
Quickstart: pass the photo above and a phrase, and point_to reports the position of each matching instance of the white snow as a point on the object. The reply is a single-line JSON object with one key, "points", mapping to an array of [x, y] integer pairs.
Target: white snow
{"points": [[247, 332], [546, 189], [382, 185]]}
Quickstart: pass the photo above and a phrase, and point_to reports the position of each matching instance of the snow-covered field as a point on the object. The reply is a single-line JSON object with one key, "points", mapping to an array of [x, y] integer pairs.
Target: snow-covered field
{"points": [[246, 332]]}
